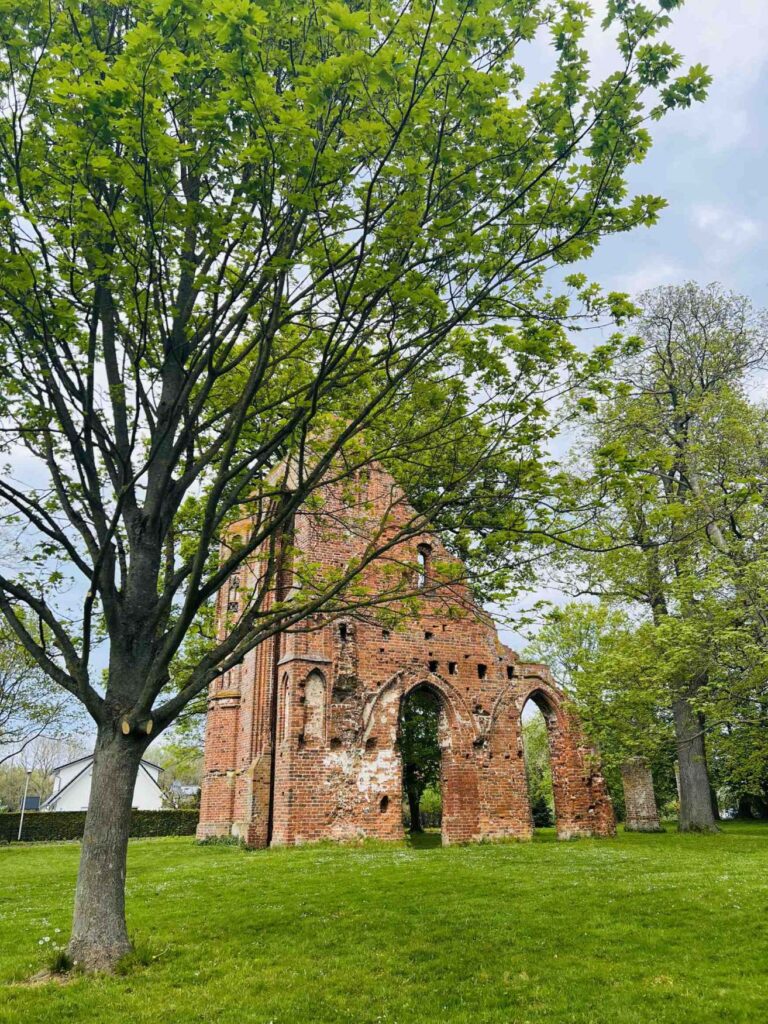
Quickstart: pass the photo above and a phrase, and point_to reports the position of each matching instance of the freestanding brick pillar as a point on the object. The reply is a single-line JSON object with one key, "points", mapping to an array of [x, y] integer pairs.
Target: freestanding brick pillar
{"points": [[302, 738], [639, 797]]}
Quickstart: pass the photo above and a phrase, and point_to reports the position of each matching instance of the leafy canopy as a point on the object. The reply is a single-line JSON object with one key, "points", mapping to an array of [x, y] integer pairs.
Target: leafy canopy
{"points": [[241, 236]]}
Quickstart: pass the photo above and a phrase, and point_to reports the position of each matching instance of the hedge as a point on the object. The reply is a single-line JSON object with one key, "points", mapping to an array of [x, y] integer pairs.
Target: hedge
{"points": [[48, 826]]}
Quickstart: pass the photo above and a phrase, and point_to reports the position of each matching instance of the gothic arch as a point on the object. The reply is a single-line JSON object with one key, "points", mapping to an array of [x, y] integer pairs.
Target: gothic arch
{"points": [[459, 733], [460, 719], [582, 806], [315, 700], [284, 720]]}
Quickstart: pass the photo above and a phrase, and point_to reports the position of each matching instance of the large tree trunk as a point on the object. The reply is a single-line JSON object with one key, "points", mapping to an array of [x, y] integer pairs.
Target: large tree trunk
{"points": [[413, 806], [99, 932], [695, 792]]}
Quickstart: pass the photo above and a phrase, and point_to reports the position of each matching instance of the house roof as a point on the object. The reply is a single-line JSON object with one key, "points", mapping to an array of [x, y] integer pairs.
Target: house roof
{"points": [[89, 760]]}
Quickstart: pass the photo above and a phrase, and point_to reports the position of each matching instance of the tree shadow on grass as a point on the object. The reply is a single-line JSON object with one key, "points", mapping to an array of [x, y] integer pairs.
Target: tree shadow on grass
{"points": [[430, 839]]}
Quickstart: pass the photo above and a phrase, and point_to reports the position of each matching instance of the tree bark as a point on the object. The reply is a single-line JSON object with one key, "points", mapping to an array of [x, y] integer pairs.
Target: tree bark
{"points": [[413, 806], [99, 931], [695, 792]]}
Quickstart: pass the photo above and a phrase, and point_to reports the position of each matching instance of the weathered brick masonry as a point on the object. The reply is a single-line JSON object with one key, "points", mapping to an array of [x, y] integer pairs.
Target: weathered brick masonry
{"points": [[639, 797], [333, 770]]}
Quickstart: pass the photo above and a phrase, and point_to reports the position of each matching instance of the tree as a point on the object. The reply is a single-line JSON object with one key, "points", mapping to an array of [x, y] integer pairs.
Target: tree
{"points": [[181, 758], [608, 666], [676, 468], [419, 749], [30, 705], [239, 240], [538, 771]]}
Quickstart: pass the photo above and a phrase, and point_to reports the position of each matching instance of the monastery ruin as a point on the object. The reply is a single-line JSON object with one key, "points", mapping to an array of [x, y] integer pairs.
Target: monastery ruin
{"points": [[302, 738]]}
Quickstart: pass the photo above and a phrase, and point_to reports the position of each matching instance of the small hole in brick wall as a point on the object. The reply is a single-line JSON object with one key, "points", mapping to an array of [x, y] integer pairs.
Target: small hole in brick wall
{"points": [[510, 672], [453, 668], [482, 671], [385, 634], [370, 743], [381, 650], [444, 627], [301, 739], [428, 634], [335, 743], [383, 804], [433, 666], [343, 631]]}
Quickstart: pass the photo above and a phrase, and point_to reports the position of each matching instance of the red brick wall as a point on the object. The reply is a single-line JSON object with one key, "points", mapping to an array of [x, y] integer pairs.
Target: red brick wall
{"points": [[341, 681]]}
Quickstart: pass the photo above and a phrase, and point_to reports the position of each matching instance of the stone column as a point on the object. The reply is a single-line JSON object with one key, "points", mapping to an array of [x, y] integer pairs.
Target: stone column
{"points": [[639, 798]]}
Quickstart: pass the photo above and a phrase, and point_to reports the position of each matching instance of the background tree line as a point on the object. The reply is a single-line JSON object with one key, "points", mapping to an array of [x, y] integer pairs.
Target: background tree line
{"points": [[669, 660]]}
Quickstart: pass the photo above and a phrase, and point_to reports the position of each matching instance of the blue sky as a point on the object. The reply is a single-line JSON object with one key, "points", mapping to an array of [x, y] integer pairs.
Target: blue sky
{"points": [[709, 162]]}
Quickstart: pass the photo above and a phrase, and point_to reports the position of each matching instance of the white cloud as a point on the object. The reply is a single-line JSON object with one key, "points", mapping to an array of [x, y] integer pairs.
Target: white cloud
{"points": [[724, 224], [730, 38], [649, 275], [725, 231]]}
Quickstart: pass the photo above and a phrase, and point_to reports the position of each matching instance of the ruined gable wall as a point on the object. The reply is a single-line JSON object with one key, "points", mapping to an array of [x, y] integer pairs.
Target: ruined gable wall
{"points": [[341, 681]]}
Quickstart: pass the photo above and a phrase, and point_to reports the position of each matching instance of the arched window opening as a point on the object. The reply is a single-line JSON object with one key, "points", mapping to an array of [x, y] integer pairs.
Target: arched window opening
{"points": [[419, 742], [424, 553], [314, 709], [285, 718], [538, 764]]}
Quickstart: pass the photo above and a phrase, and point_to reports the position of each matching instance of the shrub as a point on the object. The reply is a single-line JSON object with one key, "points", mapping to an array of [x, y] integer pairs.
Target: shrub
{"points": [[542, 814], [51, 826]]}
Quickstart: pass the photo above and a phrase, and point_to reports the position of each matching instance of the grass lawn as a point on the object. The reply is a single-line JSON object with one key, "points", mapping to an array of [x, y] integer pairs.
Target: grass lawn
{"points": [[641, 928]]}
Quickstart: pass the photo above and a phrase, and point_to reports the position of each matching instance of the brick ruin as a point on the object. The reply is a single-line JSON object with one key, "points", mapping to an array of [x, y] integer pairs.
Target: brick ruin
{"points": [[639, 798], [302, 738]]}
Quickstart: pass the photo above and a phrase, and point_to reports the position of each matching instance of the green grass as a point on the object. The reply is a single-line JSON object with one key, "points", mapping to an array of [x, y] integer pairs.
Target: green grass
{"points": [[657, 928]]}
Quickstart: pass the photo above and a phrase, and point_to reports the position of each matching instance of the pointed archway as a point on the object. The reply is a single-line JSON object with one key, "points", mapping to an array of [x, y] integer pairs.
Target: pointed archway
{"points": [[421, 754], [538, 765]]}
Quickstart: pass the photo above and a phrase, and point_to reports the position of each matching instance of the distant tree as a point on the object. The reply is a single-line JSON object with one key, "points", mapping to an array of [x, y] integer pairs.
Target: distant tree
{"points": [[607, 665], [15, 779], [239, 239], [30, 704], [38, 759], [181, 758], [673, 469], [420, 749], [541, 813], [738, 755], [538, 771]]}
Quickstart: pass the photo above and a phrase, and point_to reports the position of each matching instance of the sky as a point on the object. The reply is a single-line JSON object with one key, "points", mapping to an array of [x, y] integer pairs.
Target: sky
{"points": [[709, 162]]}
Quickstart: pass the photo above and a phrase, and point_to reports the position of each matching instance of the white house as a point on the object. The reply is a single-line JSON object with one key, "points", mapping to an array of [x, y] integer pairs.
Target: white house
{"points": [[72, 787]]}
